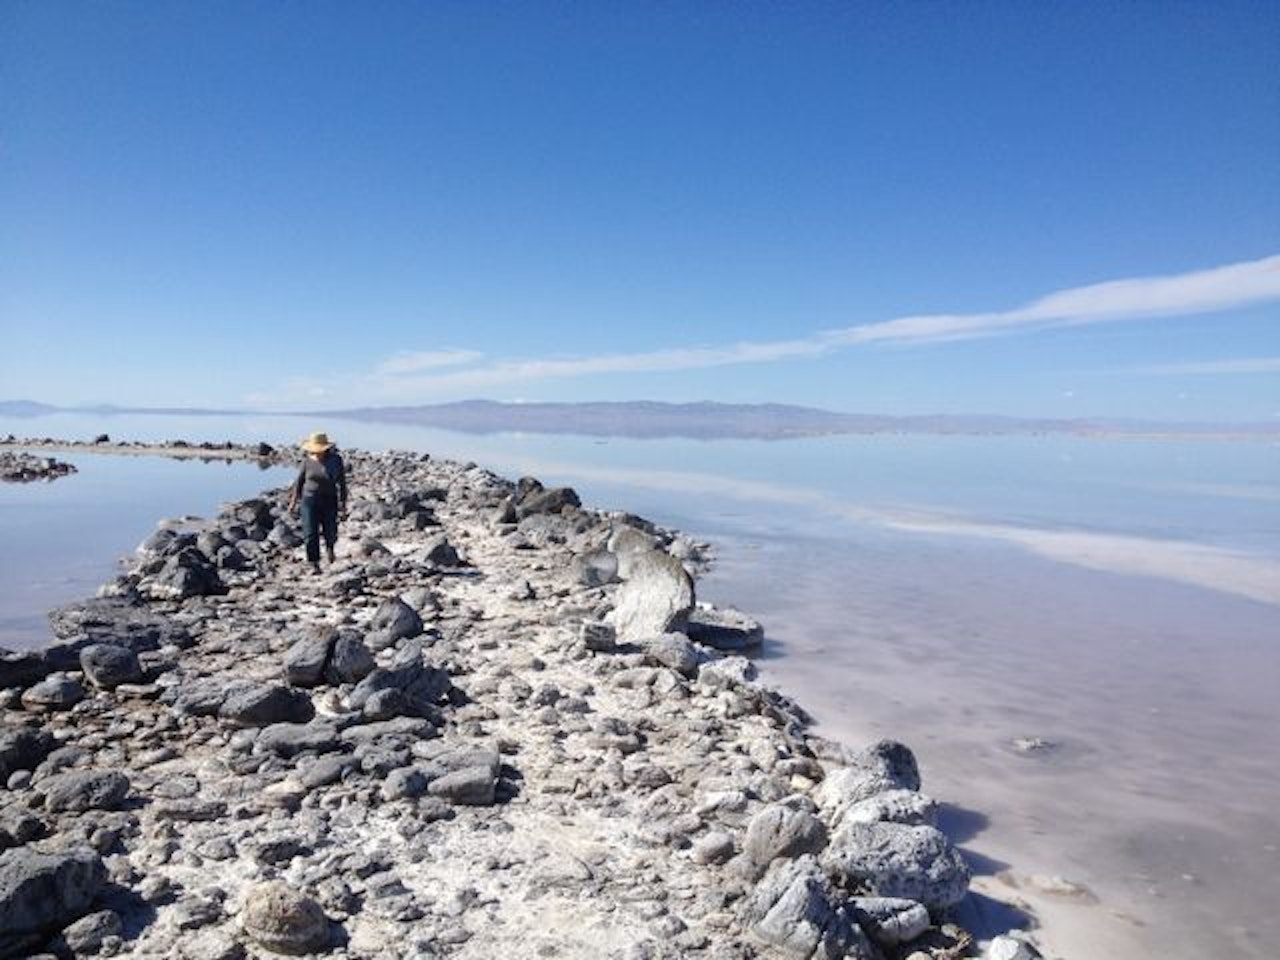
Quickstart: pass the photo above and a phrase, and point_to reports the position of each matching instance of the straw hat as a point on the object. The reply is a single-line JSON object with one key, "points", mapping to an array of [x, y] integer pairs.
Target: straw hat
{"points": [[316, 443]]}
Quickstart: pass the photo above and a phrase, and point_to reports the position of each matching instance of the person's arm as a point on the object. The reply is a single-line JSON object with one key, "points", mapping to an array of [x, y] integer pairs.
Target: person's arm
{"points": [[296, 490], [342, 485]]}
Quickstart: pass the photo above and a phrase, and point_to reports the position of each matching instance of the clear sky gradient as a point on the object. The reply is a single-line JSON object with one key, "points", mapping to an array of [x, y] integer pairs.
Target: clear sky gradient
{"points": [[1050, 209]]}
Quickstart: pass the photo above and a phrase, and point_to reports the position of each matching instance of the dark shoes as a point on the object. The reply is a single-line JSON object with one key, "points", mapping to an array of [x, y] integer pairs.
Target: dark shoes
{"points": [[315, 566]]}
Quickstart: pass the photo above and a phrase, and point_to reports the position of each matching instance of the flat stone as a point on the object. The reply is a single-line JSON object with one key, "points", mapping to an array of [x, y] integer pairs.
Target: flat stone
{"points": [[80, 790]]}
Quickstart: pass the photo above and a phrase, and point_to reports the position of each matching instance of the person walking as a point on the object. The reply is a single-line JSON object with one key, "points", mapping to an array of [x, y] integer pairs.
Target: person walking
{"points": [[321, 490]]}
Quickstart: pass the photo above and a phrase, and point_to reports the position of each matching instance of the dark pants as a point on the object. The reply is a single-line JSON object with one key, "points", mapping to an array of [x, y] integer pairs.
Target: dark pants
{"points": [[319, 515]]}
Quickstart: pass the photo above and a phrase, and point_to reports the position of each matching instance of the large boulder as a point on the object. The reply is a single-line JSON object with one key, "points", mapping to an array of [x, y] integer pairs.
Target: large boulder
{"points": [[783, 830], [107, 665], [656, 597], [41, 893], [278, 918], [883, 766], [898, 860], [795, 910]]}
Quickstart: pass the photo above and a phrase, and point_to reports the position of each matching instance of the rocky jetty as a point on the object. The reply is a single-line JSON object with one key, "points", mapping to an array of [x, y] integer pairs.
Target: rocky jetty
{"points": [[26, 468], [499, 725]]}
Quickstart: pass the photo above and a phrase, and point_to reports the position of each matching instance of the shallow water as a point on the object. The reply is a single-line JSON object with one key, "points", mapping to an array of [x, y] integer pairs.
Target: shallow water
{"points": [[1119, 599]]}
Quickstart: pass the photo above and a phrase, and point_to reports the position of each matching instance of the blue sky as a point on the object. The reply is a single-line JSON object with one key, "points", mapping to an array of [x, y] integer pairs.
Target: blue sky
{"points": [[1026, 208]]}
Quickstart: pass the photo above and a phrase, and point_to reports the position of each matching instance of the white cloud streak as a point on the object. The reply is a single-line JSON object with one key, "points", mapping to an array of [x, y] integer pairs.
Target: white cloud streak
{"points": [[408, 362], [412, 375], [1240, 365]]}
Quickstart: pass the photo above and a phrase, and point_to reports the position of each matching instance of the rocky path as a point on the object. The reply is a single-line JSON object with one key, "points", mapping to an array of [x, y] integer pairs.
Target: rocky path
{"points": [[498, 725]]}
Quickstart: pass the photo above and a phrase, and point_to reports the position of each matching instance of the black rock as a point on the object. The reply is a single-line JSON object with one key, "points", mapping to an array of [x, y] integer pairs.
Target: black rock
{"points": [[260, 705], [107, 665], [41, 893]]}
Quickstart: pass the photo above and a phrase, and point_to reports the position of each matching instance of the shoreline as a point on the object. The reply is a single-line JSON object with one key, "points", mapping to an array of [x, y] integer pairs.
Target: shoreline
{"points": [[608, 732]]}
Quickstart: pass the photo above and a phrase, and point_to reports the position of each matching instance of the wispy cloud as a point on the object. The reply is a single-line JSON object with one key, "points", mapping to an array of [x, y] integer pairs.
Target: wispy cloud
{"points": [[408, 362], [417, 375], [1227, 287], [1207, 367]]}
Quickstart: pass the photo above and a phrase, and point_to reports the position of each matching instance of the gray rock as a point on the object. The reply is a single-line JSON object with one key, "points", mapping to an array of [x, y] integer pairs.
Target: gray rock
{"points": [[473, 786], [350, 661], [898, 806], [282, 920], [327, 770], [420, 684], [555, 500], [260, 705], [598, 636], [107, 665], [87, 934], [673, 650], [727, 673], [795, 910], [291, 739], [23, 748], [655, 598], [595, 569], [783, 830], [210, 945], [80, 790], [41, 893], [714, 847], [724, 629], [22, 668], [304, 662], [897, 860], [405, 783], [884, 766], [55, 692], [890, 921], [626, 543], [439, 552], [396, 619]]}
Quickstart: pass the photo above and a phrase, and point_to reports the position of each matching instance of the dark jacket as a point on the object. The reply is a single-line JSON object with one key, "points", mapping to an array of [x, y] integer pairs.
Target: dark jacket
{"points": [[322, 478]]}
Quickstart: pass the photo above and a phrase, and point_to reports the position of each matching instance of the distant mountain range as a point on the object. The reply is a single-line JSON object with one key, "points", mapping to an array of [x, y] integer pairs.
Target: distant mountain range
{"points": [[706, 420]]}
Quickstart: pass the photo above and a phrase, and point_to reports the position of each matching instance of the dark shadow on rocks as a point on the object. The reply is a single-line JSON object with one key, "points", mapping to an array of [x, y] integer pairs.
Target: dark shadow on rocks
{"points": [[961, 824], [135, 913], [986, 917]]}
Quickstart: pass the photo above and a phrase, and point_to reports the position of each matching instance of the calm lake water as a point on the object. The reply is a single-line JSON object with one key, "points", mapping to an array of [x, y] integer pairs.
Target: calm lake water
{"points": [[1119, 599]]}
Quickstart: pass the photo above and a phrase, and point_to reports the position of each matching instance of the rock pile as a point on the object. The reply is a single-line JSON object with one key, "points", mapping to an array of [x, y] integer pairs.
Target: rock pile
{"points": [[25, 467], [497, 726]]}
